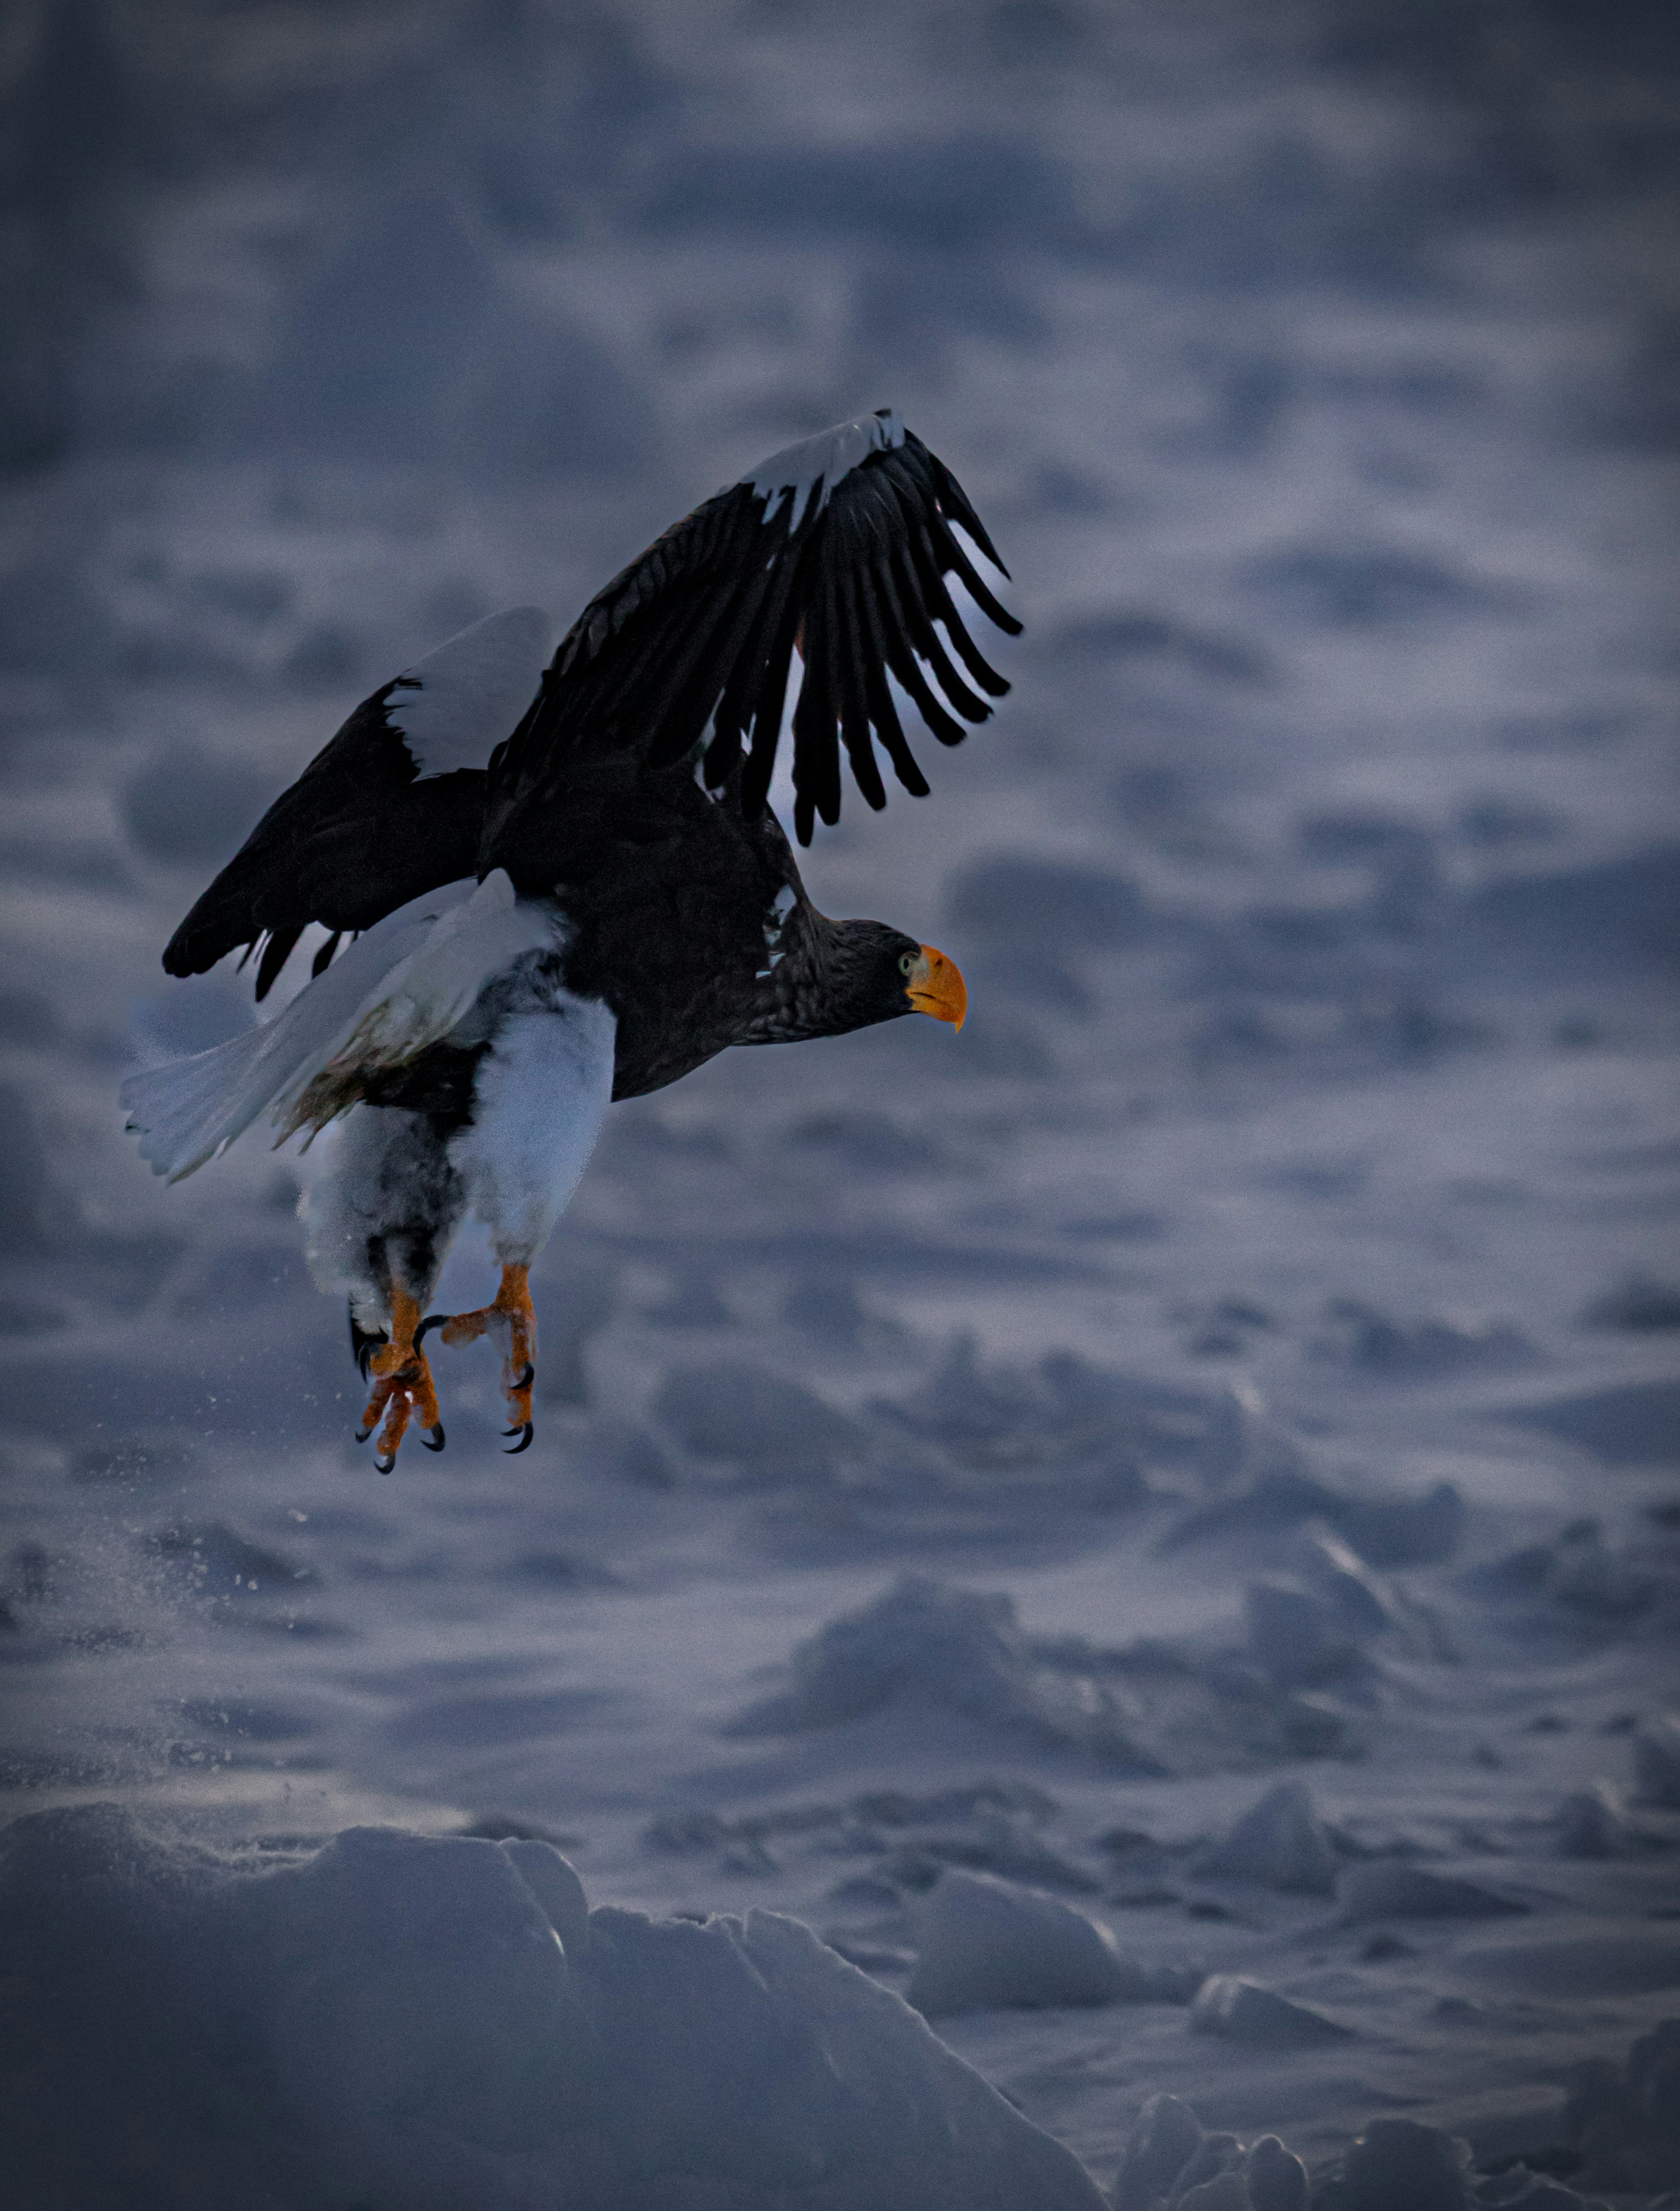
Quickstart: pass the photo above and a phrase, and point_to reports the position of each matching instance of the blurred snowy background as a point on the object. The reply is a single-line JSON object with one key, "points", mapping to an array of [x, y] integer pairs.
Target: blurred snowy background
{"points": [[1298, 1201]]}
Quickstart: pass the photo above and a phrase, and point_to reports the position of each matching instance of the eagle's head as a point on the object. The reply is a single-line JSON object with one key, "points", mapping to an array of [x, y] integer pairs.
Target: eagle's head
{"points": [[875, 973]]}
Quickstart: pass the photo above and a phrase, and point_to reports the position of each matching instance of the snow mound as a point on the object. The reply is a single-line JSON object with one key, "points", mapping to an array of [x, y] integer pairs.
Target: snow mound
{"points": [[1243, 2011], [1585, 1584], [1629, 1424], [1390, 1888], [1359, 1336], [959, 1648], [1278, 1843], [1147, 1708], [989, 1945], [988, 1826], [1638, 1304], [438, 2022]]}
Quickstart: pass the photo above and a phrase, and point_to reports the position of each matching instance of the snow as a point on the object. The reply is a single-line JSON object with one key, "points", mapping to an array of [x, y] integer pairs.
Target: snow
{"points": [[1196, 1453]]}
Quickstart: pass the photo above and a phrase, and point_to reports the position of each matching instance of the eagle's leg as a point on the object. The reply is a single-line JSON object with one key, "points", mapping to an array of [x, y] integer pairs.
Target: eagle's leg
{"points": [[382, 1213], [402, 1387], [511, 1318], [539, 1094]]}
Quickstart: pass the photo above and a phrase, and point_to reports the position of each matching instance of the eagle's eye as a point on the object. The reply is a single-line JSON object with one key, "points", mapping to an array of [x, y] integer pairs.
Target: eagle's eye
{"points": [[907, 963]]}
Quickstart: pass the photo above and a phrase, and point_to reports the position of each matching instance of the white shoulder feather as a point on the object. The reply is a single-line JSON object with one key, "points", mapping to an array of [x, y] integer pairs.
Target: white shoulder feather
{"points": [[824, 460], [454, 707]]}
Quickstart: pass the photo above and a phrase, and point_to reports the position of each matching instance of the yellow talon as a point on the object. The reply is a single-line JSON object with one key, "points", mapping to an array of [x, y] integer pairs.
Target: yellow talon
{"points": [[403, 1387], [510, 1311]]}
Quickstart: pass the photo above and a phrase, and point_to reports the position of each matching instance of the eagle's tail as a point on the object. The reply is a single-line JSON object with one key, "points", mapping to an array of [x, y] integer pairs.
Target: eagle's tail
{"points": [[360, 1014]]}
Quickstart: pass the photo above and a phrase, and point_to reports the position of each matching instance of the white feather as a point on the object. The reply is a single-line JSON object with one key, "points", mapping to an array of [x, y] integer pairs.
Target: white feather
{"points": [[797, 470], [401, 986], [539, 1098], [455, 707]]}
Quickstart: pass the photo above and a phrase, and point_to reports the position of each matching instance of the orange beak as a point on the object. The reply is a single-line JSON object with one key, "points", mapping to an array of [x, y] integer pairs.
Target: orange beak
{"points": [[936, 986]]}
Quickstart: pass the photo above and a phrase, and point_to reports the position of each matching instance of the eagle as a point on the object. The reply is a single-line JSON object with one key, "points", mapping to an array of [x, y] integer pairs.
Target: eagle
{"points": [[546, 887]]}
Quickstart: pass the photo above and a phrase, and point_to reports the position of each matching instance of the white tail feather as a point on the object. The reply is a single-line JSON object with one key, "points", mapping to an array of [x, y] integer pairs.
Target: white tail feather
{"points": [[403, 985]]}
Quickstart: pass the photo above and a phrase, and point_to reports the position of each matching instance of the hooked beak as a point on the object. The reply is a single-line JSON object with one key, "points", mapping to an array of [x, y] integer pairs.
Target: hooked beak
{"points": [[936, 987]]}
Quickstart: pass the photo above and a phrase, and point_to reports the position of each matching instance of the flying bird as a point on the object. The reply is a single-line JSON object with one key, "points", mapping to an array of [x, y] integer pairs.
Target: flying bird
{"points": [[563, 884]]}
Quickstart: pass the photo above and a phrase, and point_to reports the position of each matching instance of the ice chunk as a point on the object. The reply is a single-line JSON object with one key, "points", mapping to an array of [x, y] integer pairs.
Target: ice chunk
{"points": [[1276, 2180], [1399, 2165], [1242, 2010], [1589, 1577], [1279, 1842], [1656, 1760], [553, 1882], [1390, 1888], [1626, 2120], [987, 1944], [393, 2021], [1159, 2148], [746, 2052], [1364, 1601], [1215, 2155], [1592, 1824]]}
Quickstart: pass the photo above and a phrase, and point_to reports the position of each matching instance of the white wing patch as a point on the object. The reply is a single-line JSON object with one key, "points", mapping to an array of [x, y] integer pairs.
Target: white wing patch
{"points": [[824, 460], [403, 985], [786, 898], [453, 708]]}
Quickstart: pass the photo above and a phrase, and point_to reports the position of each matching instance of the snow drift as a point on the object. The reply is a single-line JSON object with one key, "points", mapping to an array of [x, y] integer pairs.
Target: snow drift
{"points": [[440, 2022]]}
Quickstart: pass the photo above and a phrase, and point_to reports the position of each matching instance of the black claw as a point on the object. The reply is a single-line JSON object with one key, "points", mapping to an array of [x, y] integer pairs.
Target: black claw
{"points": [[525, 1380], [427, 1435], [383, 1465], [524, 1436], [362, 1434], [432, 1320]]}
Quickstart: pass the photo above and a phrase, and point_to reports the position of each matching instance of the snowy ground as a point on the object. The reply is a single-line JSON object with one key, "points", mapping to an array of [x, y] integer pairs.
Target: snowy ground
{"points": [[1273, 1294]]}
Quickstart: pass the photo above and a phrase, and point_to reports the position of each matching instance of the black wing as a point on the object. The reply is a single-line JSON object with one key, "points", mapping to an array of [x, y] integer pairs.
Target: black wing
{"points": [[839, 547], [392, 807]]}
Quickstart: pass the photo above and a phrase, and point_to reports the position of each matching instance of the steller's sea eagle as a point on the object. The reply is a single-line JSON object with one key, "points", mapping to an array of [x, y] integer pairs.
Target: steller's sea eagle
{"points": [[564, 884]]}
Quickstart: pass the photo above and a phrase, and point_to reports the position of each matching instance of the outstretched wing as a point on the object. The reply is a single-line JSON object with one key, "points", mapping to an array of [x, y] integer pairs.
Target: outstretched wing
{"points": [[391, 809], [839, 548]]}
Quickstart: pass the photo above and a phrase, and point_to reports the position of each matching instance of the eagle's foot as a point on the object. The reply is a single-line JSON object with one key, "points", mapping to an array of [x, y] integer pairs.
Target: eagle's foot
{"points": [[513, 1319], [402, 1387]]}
